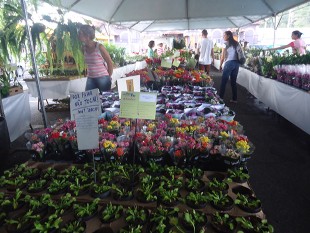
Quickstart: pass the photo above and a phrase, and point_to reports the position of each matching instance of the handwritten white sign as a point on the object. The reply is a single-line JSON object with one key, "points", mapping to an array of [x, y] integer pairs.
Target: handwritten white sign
{"points": [[129, 84]]}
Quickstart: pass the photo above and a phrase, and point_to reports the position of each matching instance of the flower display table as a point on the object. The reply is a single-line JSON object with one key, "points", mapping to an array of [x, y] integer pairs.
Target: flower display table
{"points": [[17, 113], [290, 102]]}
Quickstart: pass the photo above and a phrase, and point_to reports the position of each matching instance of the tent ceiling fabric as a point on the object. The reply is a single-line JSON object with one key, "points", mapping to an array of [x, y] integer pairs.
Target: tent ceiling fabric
{"points": [[154, 15]]}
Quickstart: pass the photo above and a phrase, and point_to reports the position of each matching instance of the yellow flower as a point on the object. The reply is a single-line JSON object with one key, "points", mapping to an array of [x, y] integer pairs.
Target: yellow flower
{"points": [[224, 134], [174, 121], [109, 144], [204, 139], [242, 146], [127, 123], [151, 126], [180, 130]]}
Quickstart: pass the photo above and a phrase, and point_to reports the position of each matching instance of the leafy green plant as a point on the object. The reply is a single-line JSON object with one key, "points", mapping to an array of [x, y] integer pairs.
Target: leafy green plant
{"points": [[86, 209], [218, 198], [18, 181], [48, 225], [263, 227], [161, 214], [37, 203], [197, 198], [194, 218], [49, 173], [122, 192], [101, 188], [78, 186], [56, 185], [19, 222], [30, 172], [147, 191], [13, 201], [218, 185], [238, 174], [193, 172], [73, 226], [132, 229], [223, 220], [111, 212], [37, 185], [172, 182], [168, 195], [194, 184], [154, 168], [245, 223], [64, 203], [136, 216], [247, 201]]}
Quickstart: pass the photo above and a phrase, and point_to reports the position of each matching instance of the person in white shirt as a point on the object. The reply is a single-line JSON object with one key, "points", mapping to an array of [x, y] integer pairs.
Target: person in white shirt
{"points": [[206, 56], [160, 49]]}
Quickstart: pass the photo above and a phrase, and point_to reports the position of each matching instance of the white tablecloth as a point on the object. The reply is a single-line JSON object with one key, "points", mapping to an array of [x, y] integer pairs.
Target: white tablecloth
{"points": [[290, 102], [17, 114], [58, 89]]}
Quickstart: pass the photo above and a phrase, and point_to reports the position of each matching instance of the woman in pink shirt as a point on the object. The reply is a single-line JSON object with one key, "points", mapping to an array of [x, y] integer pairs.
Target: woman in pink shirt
{"points": [[98, 61], [298, 45]]}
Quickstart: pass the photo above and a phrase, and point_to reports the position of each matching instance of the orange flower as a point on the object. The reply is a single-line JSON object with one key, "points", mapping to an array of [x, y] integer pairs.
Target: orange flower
{"points": [[120, 151], [178, 153]]}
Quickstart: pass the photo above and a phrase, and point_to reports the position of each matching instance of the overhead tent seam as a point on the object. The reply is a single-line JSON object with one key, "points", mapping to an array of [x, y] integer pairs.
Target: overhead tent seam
{"points": [[187, 14]]}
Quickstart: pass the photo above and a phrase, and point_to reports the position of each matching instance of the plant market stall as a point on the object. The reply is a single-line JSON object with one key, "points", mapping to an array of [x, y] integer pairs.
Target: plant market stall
{"points": [[290, 102]]}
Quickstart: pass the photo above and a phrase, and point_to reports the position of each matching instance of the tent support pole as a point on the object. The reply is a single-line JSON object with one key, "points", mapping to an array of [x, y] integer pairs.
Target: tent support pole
{"points": [[34, 64]]}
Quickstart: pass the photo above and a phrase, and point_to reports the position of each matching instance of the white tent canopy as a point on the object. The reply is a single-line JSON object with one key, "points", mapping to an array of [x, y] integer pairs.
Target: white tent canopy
{"points": [[154, 15]]}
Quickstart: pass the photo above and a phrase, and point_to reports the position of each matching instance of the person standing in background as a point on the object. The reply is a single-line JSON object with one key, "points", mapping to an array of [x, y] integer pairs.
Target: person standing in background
{"points": [[231, 68], [298, 45], [160, 49], [150, 51], [206, 54], [98, 60]]}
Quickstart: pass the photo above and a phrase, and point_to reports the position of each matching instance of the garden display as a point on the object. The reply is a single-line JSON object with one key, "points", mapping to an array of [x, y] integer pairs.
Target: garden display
{"points": [[192, 211]]}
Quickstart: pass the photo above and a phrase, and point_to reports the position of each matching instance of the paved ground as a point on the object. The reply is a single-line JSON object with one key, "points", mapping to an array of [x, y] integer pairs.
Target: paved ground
{"points": [[279, 169]]}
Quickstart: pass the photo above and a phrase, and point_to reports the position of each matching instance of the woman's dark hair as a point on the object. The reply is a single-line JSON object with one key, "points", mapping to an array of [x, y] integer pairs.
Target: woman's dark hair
{"points": [[88, 30], [231, 40], [297, 33], [151, 43]]}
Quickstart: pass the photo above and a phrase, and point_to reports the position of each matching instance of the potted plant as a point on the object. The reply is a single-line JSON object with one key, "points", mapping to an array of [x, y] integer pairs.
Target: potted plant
{"points": [[132, 229], [37, 186], [14, 202], [196, 200], [49, 173], [50, 224], [135, 216], [172, 182], [254, 224], [193, 220], [249, 204], [173, 171], [242, 190], [77, 188], [38, 205], [169, 197], [21, 223], [64, 204], [73, 226], [86, 211], [239, 175], [223, 223], [160, 219], [122, 193], [215, 185], [146, 193], [110, 213], [100, 190], [18, 182], [153, 168], [193, 184], [3, 216], [106, 176], [194, 172], [31, 173], [220, 201], [58, 186]]}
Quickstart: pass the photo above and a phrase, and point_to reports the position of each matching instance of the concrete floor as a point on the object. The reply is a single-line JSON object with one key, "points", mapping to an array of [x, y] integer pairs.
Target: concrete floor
{"points": [[279, 168]]}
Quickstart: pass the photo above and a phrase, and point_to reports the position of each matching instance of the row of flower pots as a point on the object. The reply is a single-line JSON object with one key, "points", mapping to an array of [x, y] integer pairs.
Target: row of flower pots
{"points": [[42, 214]]}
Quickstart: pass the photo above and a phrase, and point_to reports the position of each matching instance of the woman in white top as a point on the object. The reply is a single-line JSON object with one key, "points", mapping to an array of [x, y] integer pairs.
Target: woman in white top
{"points": [[231, 68], [298, 45]]}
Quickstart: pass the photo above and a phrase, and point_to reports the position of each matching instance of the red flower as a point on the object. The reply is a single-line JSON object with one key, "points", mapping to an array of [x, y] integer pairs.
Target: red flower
{"points": [[120, 151], [55, 135], [178, 153]]}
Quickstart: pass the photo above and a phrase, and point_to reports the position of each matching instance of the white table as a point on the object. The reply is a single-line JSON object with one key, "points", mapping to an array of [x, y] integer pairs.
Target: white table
{"points": [[17, 114], [60, 89], [290, 102]]}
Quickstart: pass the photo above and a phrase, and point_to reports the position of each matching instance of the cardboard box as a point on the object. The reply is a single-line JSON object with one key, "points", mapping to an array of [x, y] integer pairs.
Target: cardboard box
{"points": [[15, 90]]}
